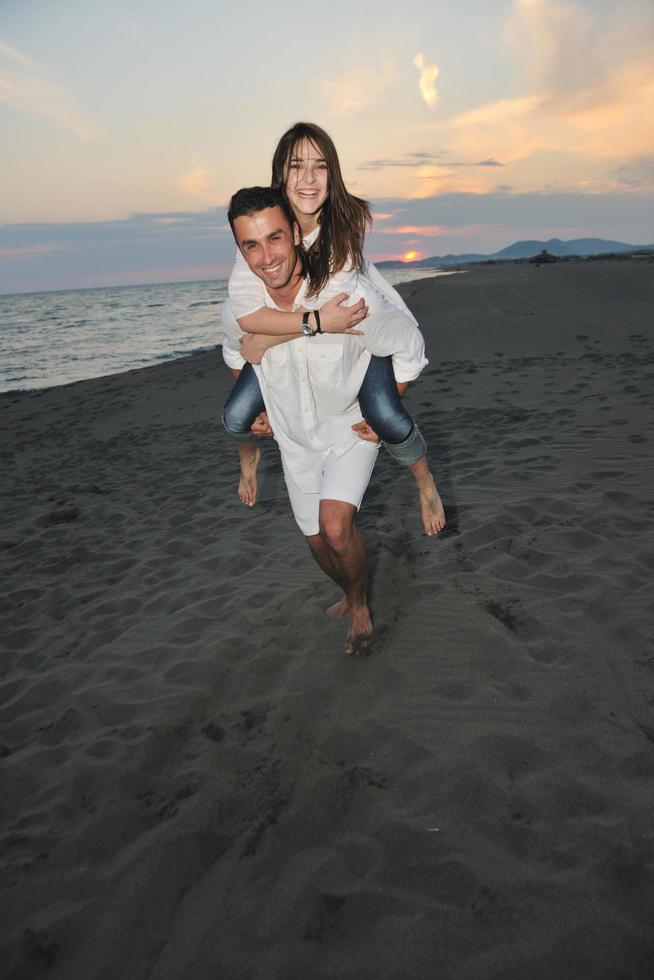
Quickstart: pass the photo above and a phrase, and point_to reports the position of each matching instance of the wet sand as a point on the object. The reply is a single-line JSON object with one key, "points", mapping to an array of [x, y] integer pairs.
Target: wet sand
{"points": [[197, 783]]}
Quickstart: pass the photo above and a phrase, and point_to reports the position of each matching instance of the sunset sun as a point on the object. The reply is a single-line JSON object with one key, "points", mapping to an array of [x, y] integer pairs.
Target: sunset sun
{"points": [[410, 256]]}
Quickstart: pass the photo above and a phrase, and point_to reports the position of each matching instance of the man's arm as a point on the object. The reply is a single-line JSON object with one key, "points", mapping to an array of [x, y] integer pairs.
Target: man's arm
{"points": [[254, 345], [239, 347]]}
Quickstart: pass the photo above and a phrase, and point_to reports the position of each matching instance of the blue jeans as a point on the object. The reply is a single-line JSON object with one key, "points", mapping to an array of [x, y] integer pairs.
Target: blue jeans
{"points": [[380, 404]]}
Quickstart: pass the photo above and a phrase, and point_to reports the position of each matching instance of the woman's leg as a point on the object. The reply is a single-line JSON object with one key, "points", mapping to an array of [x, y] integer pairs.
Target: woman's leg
{"points": [[382, 408], [243, 405], [241, 409]]}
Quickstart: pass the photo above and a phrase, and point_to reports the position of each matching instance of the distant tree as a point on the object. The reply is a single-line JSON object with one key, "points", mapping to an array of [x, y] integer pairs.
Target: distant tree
{"points": [[543, 257]]}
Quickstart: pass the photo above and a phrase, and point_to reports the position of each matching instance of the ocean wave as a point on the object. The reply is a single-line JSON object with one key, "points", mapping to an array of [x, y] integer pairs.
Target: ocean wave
{"points": [[84, 334]]}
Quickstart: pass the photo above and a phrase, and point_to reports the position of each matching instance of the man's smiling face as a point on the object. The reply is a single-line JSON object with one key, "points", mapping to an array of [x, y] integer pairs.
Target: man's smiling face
{"points": [[269, 246]]}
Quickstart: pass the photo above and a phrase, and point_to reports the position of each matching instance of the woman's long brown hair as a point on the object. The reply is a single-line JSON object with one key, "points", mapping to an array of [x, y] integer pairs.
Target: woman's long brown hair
{"points": [[343, 218]]}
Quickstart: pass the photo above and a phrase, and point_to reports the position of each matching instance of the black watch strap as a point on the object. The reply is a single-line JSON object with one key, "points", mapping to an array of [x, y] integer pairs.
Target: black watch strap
{"points": [[317, 316], [305, 323]]}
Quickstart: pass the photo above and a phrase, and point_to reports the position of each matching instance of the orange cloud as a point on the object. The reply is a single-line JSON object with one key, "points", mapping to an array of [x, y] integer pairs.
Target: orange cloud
{"points": [[427, 231], [586, 105], [427, 81], [198, 183]]}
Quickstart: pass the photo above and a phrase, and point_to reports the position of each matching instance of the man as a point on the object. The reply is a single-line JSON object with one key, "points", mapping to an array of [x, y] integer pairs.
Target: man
{"points": [[309, 386]]}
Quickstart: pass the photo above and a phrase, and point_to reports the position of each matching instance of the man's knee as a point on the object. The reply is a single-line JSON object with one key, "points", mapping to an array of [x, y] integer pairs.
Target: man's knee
{"points": [[337, 524]]}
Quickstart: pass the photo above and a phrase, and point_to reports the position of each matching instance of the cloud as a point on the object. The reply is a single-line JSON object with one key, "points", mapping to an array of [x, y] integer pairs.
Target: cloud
{"points": [[609, 214], [27, 90], [14, 55], [572, 51], [9, 253], [592, 68], [142, 248], [414, 160], [197, 182], [169, 246], [362, 88], [427, 81], [584, 105], [426, 231], [426, 160]]}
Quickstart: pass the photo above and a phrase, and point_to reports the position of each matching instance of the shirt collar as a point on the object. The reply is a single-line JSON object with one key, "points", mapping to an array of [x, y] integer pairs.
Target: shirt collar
{"points": [[298, 301]]}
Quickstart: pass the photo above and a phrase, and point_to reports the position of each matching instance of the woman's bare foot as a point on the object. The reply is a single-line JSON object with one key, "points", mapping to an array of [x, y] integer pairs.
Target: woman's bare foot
{"points": [[247, 487], [359, 637], [339, 610], [431, 506]]}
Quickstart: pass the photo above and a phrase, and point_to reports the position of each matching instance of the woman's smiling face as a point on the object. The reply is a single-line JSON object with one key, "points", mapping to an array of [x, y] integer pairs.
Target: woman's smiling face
{"points": [[307, 179]]}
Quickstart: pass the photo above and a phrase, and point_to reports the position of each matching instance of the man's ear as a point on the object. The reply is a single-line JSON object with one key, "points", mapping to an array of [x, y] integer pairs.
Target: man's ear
{"points": [[297, 234]]}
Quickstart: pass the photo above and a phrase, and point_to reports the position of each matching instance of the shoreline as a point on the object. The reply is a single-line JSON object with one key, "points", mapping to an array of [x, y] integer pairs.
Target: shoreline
{"points": [[487, 270], [147, 359], [13, 392]]}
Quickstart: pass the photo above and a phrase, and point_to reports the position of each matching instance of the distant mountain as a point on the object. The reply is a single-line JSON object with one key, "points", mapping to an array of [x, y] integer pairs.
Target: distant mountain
{"points": [[523, 250], [578, 246]]}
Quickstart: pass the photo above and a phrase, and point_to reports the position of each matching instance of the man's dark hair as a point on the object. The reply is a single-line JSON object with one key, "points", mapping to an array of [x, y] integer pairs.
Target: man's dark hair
{"points": [[249, 200]]}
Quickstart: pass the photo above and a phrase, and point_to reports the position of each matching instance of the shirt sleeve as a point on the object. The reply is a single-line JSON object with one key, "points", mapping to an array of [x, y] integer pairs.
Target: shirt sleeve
{"points": [[230, 337], [390, 333], [390, 330], [245, 290]]}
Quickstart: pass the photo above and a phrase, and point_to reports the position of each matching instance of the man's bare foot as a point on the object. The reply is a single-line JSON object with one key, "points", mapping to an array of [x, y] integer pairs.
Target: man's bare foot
{"points": [[339, 610], [247, 487], [431, 506], [359, 637]]}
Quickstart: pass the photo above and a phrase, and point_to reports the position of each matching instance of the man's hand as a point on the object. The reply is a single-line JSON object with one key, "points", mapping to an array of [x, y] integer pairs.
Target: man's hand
{"points": [[261, 425], [254, 346], [364, 431], [335, 318]]}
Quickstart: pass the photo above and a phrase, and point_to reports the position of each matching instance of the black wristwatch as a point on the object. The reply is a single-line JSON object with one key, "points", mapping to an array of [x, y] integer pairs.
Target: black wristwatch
{"points": [[306, 326]]}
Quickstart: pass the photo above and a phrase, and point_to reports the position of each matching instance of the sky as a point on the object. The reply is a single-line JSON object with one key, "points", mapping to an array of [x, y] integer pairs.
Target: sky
{"points": [[127, 124]]}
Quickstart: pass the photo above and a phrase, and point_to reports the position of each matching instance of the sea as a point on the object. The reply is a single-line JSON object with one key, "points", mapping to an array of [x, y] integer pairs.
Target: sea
{"points": [[58, 337]]}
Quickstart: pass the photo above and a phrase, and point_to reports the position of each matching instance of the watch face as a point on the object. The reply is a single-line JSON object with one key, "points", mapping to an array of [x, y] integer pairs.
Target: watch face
{"points": [[306, 330]]}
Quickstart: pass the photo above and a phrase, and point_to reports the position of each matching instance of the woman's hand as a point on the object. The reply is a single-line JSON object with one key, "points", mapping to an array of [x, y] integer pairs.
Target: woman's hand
{"points": [[335, 318]]}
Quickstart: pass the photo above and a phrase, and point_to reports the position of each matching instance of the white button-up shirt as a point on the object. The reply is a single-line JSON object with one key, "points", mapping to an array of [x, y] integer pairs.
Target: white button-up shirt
{"points": [[310, 385]]}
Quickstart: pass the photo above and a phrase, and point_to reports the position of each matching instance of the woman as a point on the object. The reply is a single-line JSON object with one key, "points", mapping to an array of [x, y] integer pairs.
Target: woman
{"points": [[333, 223]]}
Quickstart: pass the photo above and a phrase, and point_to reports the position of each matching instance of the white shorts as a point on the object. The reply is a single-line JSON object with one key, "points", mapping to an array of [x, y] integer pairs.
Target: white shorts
{"points": [[344, 478]]}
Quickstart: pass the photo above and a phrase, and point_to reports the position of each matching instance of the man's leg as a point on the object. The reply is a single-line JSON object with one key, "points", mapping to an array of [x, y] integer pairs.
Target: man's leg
{"points": [[241, 409], [327, 521], [340, 551], [382, 408]]}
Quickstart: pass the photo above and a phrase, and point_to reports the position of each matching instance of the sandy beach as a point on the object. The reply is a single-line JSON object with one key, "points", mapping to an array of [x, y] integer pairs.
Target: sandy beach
{"points": [[198, 785]]}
